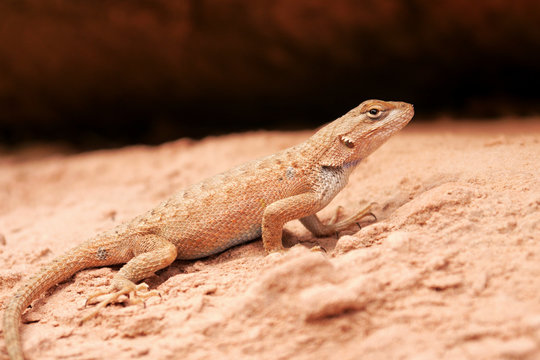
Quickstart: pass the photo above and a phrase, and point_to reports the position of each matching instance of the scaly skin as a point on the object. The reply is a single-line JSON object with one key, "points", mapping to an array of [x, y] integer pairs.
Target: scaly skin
{"points": [[253, 200]]}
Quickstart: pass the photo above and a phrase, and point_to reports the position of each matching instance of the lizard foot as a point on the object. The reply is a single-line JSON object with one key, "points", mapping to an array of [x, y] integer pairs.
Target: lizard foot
{"points": [[137, 294], [353, 219]]}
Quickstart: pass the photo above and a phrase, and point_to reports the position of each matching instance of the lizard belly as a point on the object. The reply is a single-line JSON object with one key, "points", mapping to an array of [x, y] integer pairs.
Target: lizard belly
{"points": [[210, 230], [213, 240], [211, 246]]}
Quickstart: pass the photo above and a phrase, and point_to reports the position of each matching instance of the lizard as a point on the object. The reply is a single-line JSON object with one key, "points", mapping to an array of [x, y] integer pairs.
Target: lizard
{"points": [[251, 201]]}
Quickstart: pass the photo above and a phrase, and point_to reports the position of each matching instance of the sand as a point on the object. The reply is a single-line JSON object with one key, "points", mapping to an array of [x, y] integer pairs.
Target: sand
{"points": [[451, 269]]}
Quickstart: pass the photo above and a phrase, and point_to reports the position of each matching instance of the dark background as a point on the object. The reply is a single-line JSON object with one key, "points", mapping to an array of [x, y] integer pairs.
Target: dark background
{"points": [[107, 73]]}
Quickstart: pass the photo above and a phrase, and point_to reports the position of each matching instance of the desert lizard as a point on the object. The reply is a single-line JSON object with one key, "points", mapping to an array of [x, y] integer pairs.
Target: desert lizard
{"points": [[247, 202]]}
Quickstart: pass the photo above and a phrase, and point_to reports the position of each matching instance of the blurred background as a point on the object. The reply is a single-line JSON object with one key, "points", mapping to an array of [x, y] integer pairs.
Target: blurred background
{"points": [[108, 73]]}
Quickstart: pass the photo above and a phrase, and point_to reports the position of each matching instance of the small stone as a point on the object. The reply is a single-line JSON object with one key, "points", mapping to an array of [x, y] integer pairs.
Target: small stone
{"points": [[209, 289], [518, 348], [438, 262], [398, 241], [500, 140], [444, 282], [533, 321], [479, 283], [2, 239]]}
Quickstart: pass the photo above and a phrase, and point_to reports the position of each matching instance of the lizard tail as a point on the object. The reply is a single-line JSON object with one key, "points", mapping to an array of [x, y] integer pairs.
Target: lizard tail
{"points": [[60, 269]]}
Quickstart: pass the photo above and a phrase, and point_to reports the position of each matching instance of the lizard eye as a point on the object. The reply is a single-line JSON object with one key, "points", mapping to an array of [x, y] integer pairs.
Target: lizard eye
{"points": [[374, 113]]}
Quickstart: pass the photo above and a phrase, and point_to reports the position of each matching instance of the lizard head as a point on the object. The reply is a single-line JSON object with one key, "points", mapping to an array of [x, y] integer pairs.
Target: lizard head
{"points": [[361, 131]]}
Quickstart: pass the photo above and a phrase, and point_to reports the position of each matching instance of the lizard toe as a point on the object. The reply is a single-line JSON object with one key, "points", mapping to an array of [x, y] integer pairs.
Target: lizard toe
{"points": [[356, 218]]}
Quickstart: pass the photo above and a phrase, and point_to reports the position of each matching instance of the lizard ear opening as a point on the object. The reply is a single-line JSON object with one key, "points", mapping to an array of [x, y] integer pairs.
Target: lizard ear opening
{"points": [[339, 152], [346, 141]]}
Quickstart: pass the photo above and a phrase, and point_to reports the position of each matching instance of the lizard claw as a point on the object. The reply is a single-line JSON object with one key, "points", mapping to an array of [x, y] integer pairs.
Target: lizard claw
{"points": [[372, 215]]}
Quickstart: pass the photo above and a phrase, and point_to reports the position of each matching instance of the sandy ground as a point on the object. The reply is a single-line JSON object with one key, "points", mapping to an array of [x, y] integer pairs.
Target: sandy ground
{"points": [[451, 270]]}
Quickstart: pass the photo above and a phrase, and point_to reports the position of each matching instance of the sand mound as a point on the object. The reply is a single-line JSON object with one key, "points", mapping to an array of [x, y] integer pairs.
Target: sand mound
{"points": [[449, 271]]}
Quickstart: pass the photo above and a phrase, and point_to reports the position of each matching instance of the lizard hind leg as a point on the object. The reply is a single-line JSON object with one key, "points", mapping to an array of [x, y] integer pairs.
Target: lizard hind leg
{"points": [[152, 253]]}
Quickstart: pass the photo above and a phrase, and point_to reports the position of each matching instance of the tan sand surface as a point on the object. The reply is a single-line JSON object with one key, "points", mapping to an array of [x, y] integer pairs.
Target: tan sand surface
{"points": [[451, 270]]}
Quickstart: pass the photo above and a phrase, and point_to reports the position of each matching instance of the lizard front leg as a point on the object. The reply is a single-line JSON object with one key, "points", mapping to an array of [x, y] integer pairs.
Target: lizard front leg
{"points": [[282, 211], [152, 253]]}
